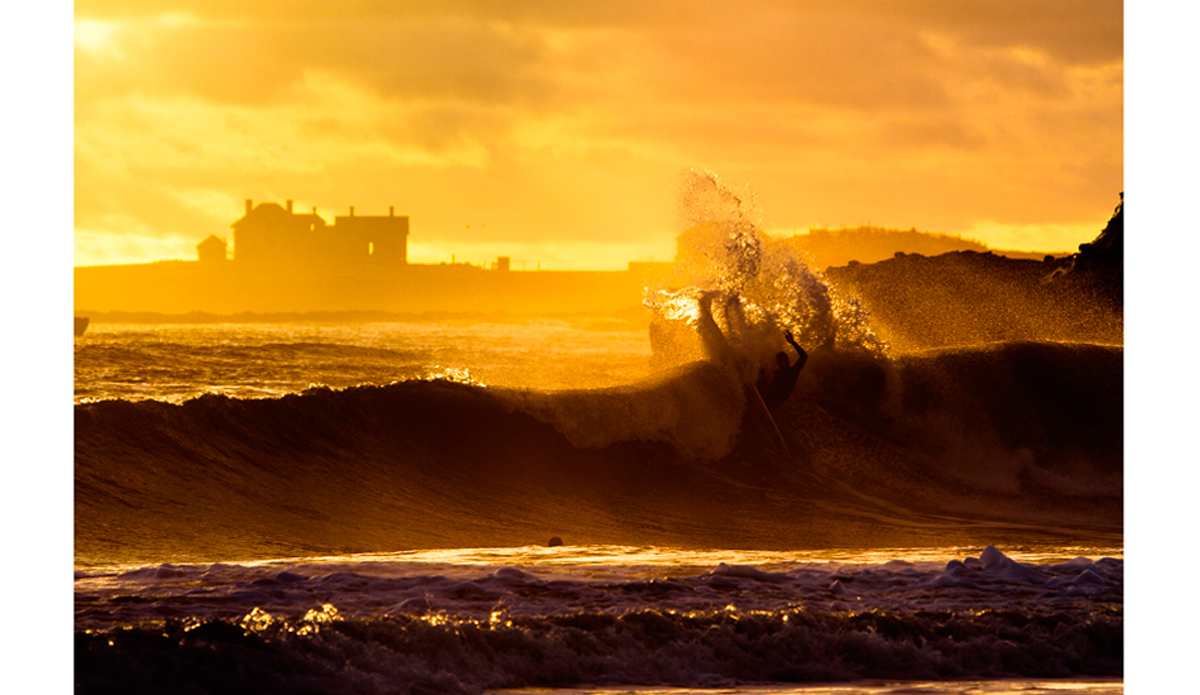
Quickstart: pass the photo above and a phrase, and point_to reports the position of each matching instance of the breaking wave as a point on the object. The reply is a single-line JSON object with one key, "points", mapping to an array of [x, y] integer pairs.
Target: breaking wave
{"points": [[318, 628]]}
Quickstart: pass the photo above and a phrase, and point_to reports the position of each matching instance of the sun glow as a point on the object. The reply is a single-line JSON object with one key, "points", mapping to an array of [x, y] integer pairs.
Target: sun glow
{"points": [[1050, 237], [97, 36]]}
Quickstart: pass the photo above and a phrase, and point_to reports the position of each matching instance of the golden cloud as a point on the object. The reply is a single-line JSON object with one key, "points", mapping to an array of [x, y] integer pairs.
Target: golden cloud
{"points": [[565, 120]]}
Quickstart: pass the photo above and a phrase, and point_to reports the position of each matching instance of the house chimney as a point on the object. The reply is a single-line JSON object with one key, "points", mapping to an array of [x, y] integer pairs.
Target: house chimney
{"points": [[391, 211], [352, 211], [249, 205], [314, 209], [289, 206]]}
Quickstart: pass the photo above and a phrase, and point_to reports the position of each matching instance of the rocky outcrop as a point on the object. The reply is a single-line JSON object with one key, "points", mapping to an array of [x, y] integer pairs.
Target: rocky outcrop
{"points": [[966, 297]]}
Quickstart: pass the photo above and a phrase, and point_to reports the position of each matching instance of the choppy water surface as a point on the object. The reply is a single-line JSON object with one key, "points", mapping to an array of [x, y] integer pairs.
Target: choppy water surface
{"points": [[175, 362], [469, 620], [1098, 686]]}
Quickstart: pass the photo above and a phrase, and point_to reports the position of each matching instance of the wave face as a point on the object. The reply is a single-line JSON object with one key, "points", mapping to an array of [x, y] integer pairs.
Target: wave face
{"points": [[1027, 434]]}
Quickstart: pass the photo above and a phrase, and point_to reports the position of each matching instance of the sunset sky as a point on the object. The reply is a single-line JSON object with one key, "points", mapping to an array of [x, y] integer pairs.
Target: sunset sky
{"points": [[559, 133]]}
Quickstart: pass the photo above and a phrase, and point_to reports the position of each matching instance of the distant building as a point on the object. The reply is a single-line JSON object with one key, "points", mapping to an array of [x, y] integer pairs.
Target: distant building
{"points": [[382, 238], [213, 249], [274, 234]]}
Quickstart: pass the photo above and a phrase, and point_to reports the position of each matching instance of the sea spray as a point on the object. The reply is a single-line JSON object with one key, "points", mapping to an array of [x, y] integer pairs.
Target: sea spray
{"points": [[733, 292], [763, 286]]}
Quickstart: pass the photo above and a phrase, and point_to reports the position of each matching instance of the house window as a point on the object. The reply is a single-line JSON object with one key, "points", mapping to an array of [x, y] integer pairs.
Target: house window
{"points": [[370, 248]]}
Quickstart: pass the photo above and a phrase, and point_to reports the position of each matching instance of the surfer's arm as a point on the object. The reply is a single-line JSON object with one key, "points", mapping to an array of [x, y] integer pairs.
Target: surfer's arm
{"points": [[802, 356]]}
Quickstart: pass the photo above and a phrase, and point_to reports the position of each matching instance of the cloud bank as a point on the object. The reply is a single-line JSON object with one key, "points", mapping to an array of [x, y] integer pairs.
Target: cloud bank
{"points": [[531, 124]]}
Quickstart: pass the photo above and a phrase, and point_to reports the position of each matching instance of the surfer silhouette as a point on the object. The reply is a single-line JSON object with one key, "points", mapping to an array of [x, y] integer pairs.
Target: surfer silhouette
{"points": [[778, 386]]}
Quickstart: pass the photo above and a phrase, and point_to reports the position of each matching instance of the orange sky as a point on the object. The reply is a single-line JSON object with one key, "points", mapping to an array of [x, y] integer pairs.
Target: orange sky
{"points": [[558, 133]]}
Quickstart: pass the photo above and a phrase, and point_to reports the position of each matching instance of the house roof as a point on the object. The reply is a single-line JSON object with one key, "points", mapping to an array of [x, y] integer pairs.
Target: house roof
{"points": [[267, 211]]}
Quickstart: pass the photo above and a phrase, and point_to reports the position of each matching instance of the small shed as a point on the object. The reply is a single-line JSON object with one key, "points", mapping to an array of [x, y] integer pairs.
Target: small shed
{"points": [[212, 249]]}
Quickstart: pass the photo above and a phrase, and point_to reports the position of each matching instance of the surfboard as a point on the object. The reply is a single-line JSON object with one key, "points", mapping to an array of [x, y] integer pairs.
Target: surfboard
{"points": [[758, 408]]}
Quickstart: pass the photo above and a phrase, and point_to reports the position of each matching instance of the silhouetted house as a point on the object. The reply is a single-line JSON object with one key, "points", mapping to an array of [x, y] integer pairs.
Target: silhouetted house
{"points": [[274, 234], [212, 249], [269, 232], [379, 238]]}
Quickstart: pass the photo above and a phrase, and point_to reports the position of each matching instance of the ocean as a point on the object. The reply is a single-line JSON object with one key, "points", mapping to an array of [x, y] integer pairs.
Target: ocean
{"points": [[595, 505], [367, 509]]}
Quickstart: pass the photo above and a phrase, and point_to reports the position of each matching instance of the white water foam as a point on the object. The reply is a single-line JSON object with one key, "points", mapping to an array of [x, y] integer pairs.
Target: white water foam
{"points": [[764, 287], [554, 581]]}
